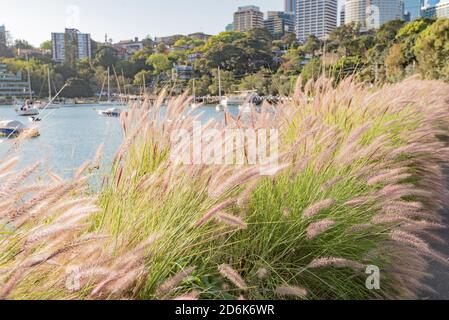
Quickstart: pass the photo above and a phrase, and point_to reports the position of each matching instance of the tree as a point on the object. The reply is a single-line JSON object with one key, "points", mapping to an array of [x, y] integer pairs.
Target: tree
{"points": [[283, 85], [228, 82], [159, 62], [290, 41], [148, 43], [161, 48], [344, 39], [257, 46], [395, 63], [408, 35], [228, 56], [291, 61], [312, 70], [312, 45], [259, 81], [432, 50], [106, 56], [46, 45], [346, 67], [202, 85], [143, 78], [77, 88], [22, 44]]}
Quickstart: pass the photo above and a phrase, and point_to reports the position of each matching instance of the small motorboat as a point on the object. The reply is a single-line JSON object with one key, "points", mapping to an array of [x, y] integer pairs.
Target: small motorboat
{"points": [[9, 128], [35, 119], [112, 112], [13, 128]]}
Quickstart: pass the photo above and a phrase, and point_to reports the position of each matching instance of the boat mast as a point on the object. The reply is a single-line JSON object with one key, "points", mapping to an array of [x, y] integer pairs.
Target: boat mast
{"points": [[109, 84], [29, 80], [219, 83], [49, 86], [29, 84], [194, 91]]}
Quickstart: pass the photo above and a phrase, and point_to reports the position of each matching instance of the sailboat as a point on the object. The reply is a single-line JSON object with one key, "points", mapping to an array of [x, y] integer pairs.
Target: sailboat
{"points": [[27, 108], [49, 104], [223, 101], [109, 101]]}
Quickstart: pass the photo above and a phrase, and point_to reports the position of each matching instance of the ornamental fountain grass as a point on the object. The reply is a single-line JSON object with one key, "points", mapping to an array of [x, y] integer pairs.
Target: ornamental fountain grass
{"points": [[360, 182]]}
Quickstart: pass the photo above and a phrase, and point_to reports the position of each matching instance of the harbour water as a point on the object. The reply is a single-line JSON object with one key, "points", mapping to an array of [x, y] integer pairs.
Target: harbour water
{"points": [[71, 135]]}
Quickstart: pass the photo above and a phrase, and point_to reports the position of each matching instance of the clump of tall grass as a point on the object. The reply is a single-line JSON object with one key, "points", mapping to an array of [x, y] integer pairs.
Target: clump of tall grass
{"points": [[360, 182]]}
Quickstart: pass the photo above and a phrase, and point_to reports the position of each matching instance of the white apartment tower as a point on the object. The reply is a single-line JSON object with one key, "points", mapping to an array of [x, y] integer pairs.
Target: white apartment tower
{"points": [[71, 37], [2, 35], [372, 14], [247, 18], [315, 17]]}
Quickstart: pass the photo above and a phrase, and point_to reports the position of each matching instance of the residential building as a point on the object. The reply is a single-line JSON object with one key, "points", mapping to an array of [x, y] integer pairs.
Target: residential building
{"points": [[128, 47], [290, 6], [192, 57], [315, 17], [183, 72], [280, 23], [200, 36], [229, 27], [31, 52], [11, 85], [71, 42], [372, 14], [412, 9], [2, 35], [342, 15], [247, 18], [439, 10], [169, 40]]}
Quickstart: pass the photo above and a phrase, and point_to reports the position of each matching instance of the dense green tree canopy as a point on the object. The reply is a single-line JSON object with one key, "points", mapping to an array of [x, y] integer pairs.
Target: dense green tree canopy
{"points": [[432, 50]]}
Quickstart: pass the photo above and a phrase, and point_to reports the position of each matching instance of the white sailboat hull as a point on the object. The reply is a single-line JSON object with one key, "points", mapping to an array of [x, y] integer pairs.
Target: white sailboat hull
{"points": [[27, 112]]}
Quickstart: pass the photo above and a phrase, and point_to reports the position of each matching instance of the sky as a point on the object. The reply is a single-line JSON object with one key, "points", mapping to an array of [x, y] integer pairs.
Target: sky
{"points": [[34, 20]]}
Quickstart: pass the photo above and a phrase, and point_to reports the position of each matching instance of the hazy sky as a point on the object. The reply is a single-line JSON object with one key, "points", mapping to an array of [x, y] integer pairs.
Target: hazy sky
{"points": [[34, 20]]}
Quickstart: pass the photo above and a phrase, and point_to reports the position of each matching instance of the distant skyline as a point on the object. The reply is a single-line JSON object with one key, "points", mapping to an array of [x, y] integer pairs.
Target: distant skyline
{"points": [[34, 20]]}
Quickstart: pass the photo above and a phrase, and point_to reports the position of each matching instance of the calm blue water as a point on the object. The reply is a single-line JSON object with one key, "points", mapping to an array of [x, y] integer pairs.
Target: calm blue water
{"points": [[71, 135]]}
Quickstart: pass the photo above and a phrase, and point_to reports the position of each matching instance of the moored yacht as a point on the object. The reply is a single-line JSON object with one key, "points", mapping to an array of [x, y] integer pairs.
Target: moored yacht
{"points": [[111, 112], [27, 109]]}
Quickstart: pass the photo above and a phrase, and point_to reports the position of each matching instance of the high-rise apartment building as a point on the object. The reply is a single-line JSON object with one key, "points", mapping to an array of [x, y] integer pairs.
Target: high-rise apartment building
{"points": [[315, 17], [342, 15], [247, 18], [439, 10], [290, 6], [73, 43], [2, 36], [372, 14], [280, 23]]}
